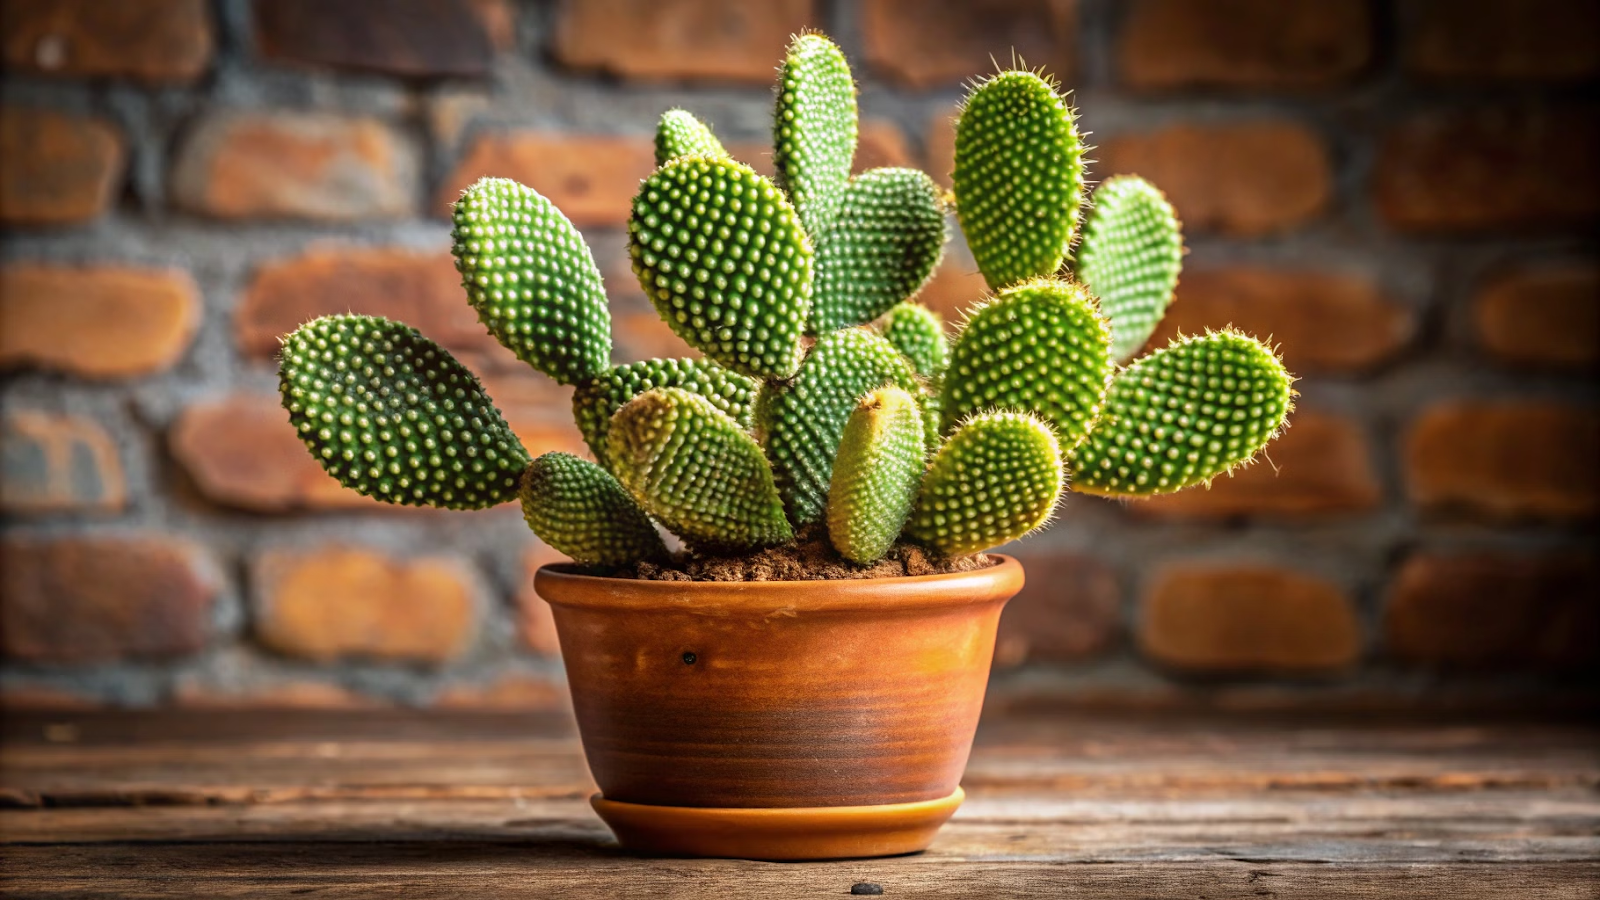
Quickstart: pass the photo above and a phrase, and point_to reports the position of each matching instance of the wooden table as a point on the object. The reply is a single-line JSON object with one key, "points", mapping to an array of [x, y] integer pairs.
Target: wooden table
{"points": [[1060, 804]]}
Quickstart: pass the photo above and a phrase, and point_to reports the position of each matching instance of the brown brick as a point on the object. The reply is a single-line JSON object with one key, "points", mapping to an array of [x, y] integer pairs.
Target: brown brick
{"points": [[538, 410], [1244, 43], [940, 143], [149, 40], [451, 111], [1320, 466], [1067, 611], [1246, 178], [511, 692], [413, 38], [1498, 40], [1495, 611], [100, 321], [57, 168], [955, 288], [535, 623], [56, 463], [1320, 321], [192, 693], [320, 166], [1490, 169], [1542, 317], [881, 143], [92, 599], [590, 178], [728, 40], [345, 602], [1505, 459], [1247, 618], [944, 42], [642, 335]]}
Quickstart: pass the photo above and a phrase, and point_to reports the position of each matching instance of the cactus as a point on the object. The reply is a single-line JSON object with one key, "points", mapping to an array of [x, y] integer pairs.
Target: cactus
{"points": [[803, 418]]}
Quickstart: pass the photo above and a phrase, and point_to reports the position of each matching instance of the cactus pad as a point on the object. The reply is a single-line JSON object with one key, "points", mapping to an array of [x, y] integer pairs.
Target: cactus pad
{"points": [[597, 400], [994, 480], [1132, 251], [814, 129], [581, 510], [532, 280], [918, 333], [391, 415], [876, 474], [681, 134], [883, 247]]}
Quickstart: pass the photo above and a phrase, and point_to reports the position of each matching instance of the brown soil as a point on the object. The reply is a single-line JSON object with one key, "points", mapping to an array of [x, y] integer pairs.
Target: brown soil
{"points": [[813, 559]]}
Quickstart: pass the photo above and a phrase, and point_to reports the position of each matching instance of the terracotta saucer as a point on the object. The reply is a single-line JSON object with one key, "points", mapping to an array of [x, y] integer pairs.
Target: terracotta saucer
{"points": [[817, 832]]}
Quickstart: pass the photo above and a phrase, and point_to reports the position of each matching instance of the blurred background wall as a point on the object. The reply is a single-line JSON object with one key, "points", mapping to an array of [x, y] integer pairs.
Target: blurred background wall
{"points": [[1404, 195]]}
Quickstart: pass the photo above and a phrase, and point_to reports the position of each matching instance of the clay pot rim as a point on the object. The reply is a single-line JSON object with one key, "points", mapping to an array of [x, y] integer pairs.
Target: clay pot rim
{"points": [[995, 582]]}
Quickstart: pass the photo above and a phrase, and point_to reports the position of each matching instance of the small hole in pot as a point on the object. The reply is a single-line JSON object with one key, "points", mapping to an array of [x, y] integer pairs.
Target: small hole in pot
{"points": [[689, 658]]}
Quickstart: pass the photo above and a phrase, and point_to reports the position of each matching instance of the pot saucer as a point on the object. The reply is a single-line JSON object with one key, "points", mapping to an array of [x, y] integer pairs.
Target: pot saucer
{"points": [[815, 832]]}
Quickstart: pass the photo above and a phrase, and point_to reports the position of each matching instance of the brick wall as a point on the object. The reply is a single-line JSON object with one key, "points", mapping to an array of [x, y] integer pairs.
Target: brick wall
{"points": [[1403, 194]]}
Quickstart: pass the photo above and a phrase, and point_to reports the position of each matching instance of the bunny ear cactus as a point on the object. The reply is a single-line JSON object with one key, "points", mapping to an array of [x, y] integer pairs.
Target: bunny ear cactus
{"points": [[803, 418]]}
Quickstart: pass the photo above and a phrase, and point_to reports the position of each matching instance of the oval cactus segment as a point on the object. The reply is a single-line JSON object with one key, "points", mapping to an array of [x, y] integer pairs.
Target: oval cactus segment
{"points": [[391, 415], [994, 480], [918, 333], [581, 510], [697, 471], [801, 422], [597, 400], [883, 247], [1132, 251], [1018, 177], [680, 134], [814, 129], [1040, 347], [1184, 415], [532, 280], [722, 256], [876, 474]]}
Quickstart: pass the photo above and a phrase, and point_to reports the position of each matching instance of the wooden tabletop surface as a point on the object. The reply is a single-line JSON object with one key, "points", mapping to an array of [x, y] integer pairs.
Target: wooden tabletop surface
{"points": [[1060, 804]]}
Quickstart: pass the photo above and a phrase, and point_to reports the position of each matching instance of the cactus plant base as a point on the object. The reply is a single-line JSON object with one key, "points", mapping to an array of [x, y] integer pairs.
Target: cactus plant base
{"points": [[809, 558]]}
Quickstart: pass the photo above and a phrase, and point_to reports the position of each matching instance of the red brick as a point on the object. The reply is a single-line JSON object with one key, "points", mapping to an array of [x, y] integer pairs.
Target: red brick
{"points": [[727, 40], [535, 623], [95, 599], [880, 144], [1504, 40], [590, 178], [1542, 317], [149, 40], [56, 463], [509, 693], [956, 287], [413, 38], [940, 143], [642, 335], [1067, 611], [46, 699], [98, 321], [1320, 321], [1244, 43], [945, 42], [1490, 169], [1247, 618], [538, 410], [1246, 178], [343, 602], [450, 112], [1320, 466], [57, 168], [1495, 611], [192, 693], [1501, 459], [319, 166]]}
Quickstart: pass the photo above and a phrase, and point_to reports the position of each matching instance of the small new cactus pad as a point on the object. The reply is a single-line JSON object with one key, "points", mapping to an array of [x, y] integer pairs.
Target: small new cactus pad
{"points": [[581, 510], [391, 415], [1038, 347], [722, 256], [597, 400], [882, 248], [918, 333], [697, 471], [994, 480], [681, 134], [875, 477], [1131, 253], [1018, 177], [814, 129], [532, 280], [802, 421], [1183, 415]]}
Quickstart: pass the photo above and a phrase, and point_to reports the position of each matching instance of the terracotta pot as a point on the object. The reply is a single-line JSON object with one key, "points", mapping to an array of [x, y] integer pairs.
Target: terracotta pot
{"points": [[778, 720]]}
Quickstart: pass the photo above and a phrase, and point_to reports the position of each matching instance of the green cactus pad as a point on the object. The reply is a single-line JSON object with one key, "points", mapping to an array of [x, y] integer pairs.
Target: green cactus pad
{"points": [[597, 400], [1018, 177], [532, 280], [1039, 347], [883, 247], [722, 256], [391, 415], [1132, 251], [680, 134], [876, 474], [918, 333], [697, 471], [814, 129], [1183, 415], [995, 480], [581, 510], [800, 422]]}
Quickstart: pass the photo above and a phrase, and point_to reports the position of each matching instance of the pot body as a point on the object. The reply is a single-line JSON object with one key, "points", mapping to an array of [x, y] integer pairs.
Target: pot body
{"points": [[778, 694]]}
